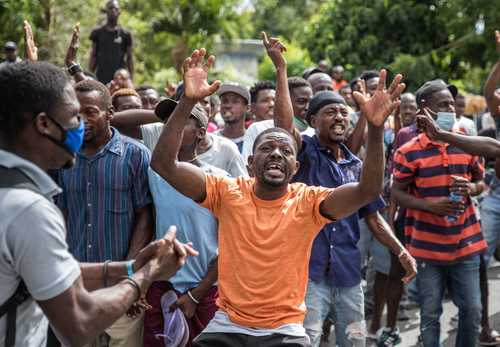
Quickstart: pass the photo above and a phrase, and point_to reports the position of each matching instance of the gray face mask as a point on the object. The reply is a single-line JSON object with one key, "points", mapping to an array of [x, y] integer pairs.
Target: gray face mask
{"points": [[446, 120]]}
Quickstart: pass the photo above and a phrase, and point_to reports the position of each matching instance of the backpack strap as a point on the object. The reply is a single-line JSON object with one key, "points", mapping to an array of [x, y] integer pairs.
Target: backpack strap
{"points": [[14, 178], [10, 309]]}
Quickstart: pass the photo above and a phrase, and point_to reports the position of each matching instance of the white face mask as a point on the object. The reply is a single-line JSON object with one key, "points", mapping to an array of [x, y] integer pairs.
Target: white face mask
{"points": [[446, 120]]}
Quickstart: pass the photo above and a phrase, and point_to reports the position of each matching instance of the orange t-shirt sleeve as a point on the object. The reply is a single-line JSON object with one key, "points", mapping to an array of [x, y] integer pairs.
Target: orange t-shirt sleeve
{"points": [[214, 186], [316, 195]]}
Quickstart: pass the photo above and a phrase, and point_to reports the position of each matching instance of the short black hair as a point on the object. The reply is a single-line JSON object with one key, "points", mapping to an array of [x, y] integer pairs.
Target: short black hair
{"points": [[87, 86], [26, 89], [273, 130], [295, 82], [258, 86], [144, 87], [369, 74]]}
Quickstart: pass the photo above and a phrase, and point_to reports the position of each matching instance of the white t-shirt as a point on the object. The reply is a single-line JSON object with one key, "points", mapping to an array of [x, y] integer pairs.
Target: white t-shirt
{"points": [[467, 126], [255, 129], [224, 155], [151, 134], [32, 248]]}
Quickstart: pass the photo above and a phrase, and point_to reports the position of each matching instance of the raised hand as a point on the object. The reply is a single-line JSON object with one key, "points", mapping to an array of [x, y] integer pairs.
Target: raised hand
{"points": [[382, 103], [168, 256], [70, 58], [31, 49], [428, 125], [275, 49], [195, 70]]}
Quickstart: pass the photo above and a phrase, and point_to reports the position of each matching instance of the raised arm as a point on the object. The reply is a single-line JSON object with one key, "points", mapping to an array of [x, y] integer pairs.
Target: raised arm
{"points": [[188, 179], [129, 121], [476, 145], [283, 110], [349, 198], [490, 86], [31, 50], [71, 55]]}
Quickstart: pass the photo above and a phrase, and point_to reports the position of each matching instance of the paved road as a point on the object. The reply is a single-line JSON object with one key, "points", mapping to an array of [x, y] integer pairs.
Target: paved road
{"points": [[410, 329]]}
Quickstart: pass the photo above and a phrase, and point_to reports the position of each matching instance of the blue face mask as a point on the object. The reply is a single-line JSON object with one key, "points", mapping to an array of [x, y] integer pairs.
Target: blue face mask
{"points": [[72, 138], [446, 120]]}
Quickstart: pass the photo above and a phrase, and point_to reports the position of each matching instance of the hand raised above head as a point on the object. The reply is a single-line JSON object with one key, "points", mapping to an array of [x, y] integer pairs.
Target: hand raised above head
{"points": [[70, 58], [381, 104], [195, 70], [31, 48], [275, 49]]}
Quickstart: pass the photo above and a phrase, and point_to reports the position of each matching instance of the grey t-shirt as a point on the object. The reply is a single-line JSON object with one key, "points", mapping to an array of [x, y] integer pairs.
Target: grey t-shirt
{"points": [[32, 248]]}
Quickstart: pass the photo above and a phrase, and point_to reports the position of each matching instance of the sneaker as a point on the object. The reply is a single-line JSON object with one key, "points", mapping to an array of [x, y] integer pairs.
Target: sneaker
{"points": [[389, 338]]}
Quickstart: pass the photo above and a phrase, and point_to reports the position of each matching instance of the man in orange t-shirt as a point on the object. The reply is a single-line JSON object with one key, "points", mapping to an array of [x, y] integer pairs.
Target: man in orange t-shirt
{"points": [[266, 224]]}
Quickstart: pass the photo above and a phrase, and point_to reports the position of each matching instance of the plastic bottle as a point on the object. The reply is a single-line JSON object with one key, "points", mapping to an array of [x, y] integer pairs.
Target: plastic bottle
{"points": [[453, 197]]}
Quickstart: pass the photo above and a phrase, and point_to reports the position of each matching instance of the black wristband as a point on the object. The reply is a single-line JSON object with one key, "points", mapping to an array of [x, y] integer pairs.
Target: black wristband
{"points": [[133, 283], [74, 69]]}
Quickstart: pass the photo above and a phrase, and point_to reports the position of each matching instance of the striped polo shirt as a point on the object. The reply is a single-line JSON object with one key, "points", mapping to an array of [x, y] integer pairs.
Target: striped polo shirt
{"points": [[427, 166], [100, 197]]}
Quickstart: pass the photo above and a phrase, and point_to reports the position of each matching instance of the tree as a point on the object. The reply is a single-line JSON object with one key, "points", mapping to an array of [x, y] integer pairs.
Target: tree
{"points": [[424, 38]]}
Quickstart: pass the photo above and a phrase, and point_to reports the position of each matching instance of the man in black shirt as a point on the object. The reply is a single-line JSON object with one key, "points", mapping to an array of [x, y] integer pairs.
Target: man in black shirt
{"points": [[111, 46]]}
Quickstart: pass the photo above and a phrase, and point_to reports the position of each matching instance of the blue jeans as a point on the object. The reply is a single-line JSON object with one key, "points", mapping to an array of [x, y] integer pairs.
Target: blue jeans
{"points": [[490, 222], [347, 308], [463, 281]]}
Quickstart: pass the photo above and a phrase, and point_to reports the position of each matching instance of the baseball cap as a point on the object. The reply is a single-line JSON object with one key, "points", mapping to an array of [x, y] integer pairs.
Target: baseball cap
{"points": [[321, 99], [310, 71], [434, 86], [165, 108], [236, 88], [9, 45], [175, 327]]}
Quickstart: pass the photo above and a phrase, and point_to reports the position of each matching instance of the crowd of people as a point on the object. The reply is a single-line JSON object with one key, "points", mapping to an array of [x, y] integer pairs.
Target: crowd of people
{"points": [[213, 214]]}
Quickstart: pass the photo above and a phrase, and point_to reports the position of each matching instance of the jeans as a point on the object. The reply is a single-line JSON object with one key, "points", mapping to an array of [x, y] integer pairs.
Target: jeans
{"points": [[347, 308], [463, 281], [490, 222]]}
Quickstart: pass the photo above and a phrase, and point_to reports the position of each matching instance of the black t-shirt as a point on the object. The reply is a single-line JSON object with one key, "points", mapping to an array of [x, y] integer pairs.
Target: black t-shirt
{"points": [[111, 48]]}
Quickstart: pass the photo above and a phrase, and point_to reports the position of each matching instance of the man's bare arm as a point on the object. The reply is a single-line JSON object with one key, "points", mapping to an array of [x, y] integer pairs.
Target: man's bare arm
{"points": [[349, 198], [143, 230], [129, 121], [93, 58], [475, 145], [78, 315], [283, 110], [383, 233], [186, 178]]}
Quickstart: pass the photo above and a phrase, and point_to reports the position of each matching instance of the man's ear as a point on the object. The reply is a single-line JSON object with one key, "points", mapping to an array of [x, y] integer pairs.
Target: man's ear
{"points": [[312, 121], [250, 170], [42, 123], [201, 133], [297, 167], [253, 107], [110, 112]]}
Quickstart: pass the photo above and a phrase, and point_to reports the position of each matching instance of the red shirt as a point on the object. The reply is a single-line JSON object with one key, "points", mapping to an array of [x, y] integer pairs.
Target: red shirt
{"points": [[427, 167]]}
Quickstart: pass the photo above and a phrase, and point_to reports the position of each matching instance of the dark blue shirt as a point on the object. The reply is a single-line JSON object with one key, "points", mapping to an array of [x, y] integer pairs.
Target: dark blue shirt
{"points": [[335, 256]]}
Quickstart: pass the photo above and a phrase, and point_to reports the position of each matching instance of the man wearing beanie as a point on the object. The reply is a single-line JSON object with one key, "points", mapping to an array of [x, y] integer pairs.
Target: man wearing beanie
{"points": [[334, 267]]}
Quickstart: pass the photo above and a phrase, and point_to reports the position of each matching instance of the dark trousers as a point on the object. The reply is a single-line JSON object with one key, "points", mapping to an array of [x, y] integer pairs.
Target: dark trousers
{"points": [[243, 340]]}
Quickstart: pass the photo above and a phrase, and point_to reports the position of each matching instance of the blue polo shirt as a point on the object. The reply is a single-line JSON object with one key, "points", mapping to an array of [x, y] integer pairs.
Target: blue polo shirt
{"points": [[335, 256]]}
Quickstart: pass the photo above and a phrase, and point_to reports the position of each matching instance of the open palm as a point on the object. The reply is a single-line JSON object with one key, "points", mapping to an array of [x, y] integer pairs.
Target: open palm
{"points": [[196, 86], [380, 105]]}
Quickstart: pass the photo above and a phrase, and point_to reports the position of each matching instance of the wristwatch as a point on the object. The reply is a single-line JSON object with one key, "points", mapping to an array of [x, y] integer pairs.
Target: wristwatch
{"points": [[74, 69]]}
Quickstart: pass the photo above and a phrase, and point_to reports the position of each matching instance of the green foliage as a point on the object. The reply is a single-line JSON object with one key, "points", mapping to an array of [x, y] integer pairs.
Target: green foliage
{"points": [[423, 38], [297, 60]]}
